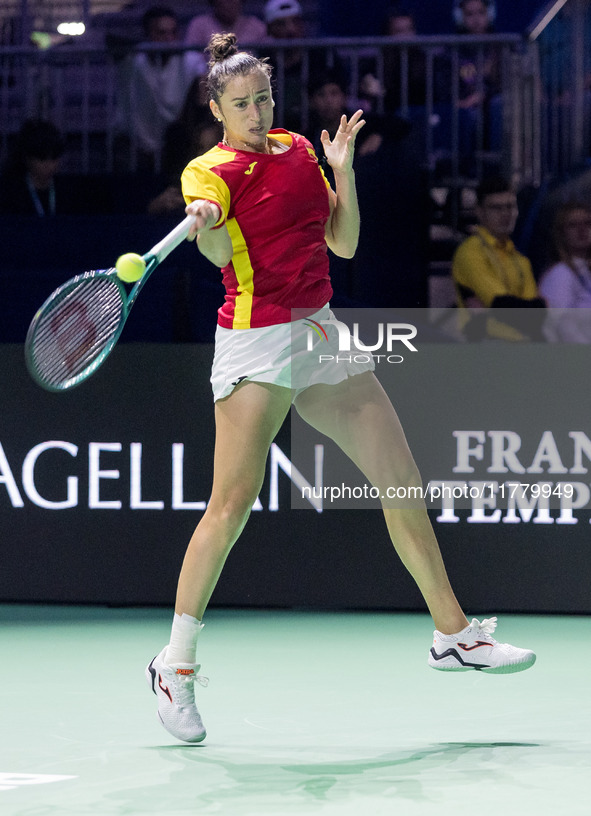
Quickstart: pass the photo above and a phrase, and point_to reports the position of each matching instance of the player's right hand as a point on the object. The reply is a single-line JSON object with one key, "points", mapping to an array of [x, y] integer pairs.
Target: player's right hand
{"points": [[206, 213]]}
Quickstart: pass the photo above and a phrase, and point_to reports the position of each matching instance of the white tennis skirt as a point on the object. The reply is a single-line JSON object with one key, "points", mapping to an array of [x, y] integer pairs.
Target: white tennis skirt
{"points": [[295, 355]]}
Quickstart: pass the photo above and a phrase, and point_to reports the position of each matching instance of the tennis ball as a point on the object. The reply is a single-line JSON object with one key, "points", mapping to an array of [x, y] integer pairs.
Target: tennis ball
{"points": [[130, 267]]}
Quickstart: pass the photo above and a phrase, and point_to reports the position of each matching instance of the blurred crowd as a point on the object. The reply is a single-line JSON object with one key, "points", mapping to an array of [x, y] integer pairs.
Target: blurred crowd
{"points": [[164, 120]]}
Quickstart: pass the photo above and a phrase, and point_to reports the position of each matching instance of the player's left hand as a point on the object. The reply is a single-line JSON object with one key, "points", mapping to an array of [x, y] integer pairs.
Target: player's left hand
{"points": [[339, 152]]}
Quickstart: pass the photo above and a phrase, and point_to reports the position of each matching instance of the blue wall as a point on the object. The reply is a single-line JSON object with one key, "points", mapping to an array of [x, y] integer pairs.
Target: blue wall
{"points": [[434, 17]]}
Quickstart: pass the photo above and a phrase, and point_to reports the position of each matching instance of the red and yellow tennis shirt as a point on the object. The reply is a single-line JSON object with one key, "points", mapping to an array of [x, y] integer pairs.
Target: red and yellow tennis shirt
{"points": [[275, 207]]}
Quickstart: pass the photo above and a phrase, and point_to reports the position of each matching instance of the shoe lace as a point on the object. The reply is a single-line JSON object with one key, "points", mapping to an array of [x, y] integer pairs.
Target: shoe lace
{"points": [[185, 691], [488, 625]]}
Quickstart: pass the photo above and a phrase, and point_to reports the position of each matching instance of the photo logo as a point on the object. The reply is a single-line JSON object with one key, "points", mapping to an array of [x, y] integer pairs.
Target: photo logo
{"points": [[388, 336]]}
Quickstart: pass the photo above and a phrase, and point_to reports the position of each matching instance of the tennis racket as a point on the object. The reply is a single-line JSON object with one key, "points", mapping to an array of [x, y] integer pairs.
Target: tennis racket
{"points": [[77, 327]]}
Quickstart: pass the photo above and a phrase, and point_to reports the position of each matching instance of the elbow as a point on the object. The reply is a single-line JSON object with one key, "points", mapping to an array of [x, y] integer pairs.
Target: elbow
{"points": [[220, 259], [345, 251], [343, 248]]}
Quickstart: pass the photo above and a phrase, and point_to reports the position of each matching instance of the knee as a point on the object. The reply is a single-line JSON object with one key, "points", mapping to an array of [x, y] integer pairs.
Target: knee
{"points": [[231, 512], [396, 469]]}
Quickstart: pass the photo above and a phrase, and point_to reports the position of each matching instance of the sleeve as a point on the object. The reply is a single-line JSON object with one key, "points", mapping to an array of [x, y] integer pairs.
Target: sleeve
{"points": [[310, 148], [328, 187], [471, 272], [194, 65], [554, 286], [200, 182]]}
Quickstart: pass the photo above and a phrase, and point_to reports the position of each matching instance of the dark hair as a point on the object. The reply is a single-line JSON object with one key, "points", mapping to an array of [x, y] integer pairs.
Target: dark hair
{"points": [[490, 13], [39, 139], [330, 76], [227, 62], [399, 10], [155, 13], [493, 185]]}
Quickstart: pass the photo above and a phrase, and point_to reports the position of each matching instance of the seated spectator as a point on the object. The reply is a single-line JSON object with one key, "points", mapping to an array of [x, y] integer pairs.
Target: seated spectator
{"points": [[488, 271], [328, 102], [400, 25], [29, 184], [154, 85], [566, 284], [405, 79], [225, 16], [191, 135], [479, 77]]}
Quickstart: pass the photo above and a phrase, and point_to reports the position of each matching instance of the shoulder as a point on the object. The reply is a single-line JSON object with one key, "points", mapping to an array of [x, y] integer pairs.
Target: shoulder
{"points": [[200, 20], [215, 158], [524, 261], [467, 260], [301, 145], [250, 29], [252, 25], [468, 248], [301, 141], [555, 274]]}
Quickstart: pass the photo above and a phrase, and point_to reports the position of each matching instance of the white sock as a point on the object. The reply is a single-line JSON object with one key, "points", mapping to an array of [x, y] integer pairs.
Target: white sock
{"points": [[183, 639]]}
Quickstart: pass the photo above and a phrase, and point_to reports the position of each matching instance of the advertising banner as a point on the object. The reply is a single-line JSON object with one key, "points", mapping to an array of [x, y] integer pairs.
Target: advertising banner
{"points": [[102, 486]]}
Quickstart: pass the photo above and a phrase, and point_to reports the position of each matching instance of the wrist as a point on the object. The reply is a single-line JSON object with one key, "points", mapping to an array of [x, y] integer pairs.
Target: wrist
{"points": [[216, 212], [344, 172], [344, 177]]}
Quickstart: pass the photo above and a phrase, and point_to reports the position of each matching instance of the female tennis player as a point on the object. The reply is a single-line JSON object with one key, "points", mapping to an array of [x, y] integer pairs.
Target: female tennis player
{"points": [[265, 215]]}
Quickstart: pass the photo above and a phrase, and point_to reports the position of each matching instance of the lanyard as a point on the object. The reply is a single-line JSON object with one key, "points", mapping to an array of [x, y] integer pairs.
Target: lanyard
{"points": [[37, 201]]}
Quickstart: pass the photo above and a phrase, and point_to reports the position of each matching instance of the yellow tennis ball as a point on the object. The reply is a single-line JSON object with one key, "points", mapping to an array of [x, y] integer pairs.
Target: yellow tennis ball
{"points": [[130, 267]]}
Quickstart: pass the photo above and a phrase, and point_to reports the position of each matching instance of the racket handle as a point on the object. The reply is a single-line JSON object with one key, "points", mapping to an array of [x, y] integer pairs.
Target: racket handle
{"points": [[172, 240]]}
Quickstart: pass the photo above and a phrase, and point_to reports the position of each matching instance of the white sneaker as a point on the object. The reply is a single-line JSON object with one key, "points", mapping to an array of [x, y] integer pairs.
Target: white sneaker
{"points": [[174, 686], [474, 648]]}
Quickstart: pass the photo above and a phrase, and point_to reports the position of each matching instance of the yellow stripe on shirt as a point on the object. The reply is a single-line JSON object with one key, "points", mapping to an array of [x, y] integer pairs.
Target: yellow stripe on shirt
{"points": [[199, 181], [244, 277]]}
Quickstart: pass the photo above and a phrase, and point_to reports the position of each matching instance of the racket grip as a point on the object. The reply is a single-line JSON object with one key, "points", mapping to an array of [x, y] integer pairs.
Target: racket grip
{"points": [[172, 240]]}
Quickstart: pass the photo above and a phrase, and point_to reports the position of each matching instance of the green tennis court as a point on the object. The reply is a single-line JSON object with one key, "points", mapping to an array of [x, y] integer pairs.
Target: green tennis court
{"points": [[307, 713]]}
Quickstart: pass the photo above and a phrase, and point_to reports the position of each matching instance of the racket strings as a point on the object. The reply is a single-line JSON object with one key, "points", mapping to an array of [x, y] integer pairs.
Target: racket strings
{"points": [[76, 328]]}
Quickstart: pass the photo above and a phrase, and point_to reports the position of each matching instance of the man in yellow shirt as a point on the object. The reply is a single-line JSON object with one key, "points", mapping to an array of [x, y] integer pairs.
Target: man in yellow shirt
{"points": [[489, 272]]}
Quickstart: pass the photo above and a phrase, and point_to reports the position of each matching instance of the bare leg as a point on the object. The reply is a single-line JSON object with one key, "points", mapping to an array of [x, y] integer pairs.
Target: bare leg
{"points": [[359, 417], [246, 424]]}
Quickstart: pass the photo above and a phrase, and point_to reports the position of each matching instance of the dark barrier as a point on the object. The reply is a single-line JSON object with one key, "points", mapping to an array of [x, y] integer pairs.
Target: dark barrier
{"points": [[101, 487], [38, 255]]}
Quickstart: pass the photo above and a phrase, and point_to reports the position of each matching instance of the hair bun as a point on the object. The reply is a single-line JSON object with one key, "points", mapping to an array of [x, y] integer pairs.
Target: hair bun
{"points": [[220, 47]]}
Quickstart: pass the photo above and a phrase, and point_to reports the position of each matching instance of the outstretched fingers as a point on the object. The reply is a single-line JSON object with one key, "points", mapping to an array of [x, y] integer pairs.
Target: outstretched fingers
{"points": [[353, 125]]}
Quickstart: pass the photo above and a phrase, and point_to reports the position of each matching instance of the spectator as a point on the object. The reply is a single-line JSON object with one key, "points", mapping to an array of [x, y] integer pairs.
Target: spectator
{"points": [[479, 78], [154, 85], [488, 271], [328, 100], [405, 79], [400, 25], [30, 184], [225, 16], [566, 284]]}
